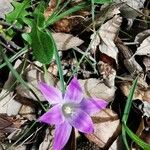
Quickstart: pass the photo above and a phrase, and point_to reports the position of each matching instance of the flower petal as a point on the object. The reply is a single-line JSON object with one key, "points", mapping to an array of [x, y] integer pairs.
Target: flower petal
{"points": [[62, 134], [53, 116], [81, 121], [73, 92], [92, 105], [51, 94]]}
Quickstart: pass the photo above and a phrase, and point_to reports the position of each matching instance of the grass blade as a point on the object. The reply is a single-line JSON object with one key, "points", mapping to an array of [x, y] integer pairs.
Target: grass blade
{"points": [[127, 111], [136, 139], [18, 77], [129, 101], [66, 13]]}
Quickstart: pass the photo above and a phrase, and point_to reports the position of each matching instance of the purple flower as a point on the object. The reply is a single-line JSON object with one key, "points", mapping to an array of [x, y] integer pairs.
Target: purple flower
{"points": [[70, 109]]}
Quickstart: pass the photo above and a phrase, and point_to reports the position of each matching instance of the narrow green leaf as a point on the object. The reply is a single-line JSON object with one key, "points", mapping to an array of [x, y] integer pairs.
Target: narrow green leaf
{"points": [[66, 13], [124, 137], [129, 101], [60, 70], [102, 1], [127, 111], [14, 72], [15, 56], [136, 139], [18, 77]]}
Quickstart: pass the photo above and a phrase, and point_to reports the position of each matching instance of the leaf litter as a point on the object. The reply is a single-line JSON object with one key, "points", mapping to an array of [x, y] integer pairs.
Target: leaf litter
{"points": [[105, 49]]}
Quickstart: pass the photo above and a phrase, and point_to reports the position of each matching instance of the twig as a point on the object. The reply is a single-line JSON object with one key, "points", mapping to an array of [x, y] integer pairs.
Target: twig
{"points": [[12, 26], [7, 47], [12, 44]]}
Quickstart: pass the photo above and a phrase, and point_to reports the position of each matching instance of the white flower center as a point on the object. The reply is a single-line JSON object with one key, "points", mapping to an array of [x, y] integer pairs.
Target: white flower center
{"points": [[68, 109]]}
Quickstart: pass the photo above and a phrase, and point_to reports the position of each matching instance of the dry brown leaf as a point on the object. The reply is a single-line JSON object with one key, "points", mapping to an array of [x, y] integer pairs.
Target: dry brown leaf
{"points": [[114, 9], [144, 48], [5, 7], [95, 88], [126, 86], [8, 105], [108, 73], [47, 142], [109, 29], [106, 128], [142, 91], [9, 124], [141, 36], [105, 38], [134, 65], [63, 25], [51, 6], [126, 56], [66, 41], [146, 96], [33, 77], [27, 112], [146, 62], [132, 8], [146, 109], [108, 32]]}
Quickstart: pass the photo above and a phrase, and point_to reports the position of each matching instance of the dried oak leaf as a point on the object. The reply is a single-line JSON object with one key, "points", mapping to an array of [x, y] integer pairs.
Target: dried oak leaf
{"points": [[107, 72], [105, 36], [27, 112], [63, 25], [144, 48], [47, 142], [146, 96], [66, 41], [146, 62], [33, 77], [106, 126], [141, 36], [132, 8], [9, 124], [8, 104], [51, 6], [95, 88], [142, 91]]}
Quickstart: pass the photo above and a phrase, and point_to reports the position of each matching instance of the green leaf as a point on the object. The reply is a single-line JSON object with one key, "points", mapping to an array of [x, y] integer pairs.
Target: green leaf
{"points": [[39, 15], [27, 38], [127, 111], [136, 139], [42, 44], [19, 13], [102, 1], [129, 101], [42, 41]]}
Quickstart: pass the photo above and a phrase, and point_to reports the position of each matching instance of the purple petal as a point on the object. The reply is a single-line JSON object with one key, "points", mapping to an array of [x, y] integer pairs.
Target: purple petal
{"points": [[81, 121], [92, 105], [62, 134], [53, 116], [74, 91], [51, 94]]}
